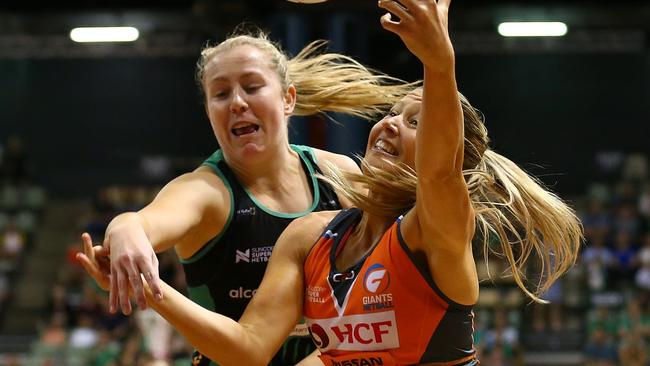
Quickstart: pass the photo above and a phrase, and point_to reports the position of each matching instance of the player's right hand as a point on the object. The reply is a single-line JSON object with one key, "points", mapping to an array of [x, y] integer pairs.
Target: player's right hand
{"points": [[131, 256]]}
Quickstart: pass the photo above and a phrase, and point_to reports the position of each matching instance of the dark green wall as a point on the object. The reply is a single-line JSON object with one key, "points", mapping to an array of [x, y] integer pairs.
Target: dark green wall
{"points": [[89, 120]]}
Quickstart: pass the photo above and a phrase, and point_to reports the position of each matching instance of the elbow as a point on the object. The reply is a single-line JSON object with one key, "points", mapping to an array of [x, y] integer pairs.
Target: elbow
{"points": [[439, 167]]}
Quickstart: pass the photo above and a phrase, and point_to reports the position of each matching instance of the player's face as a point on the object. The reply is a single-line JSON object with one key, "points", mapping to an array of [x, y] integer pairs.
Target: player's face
{"points": [[245, 102], [393, 138]]}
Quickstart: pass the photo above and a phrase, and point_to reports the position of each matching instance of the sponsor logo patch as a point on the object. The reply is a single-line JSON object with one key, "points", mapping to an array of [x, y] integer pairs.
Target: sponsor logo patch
{"points": [[300, 330], [244, 256], [251, 211], [365, 332], [376, 281], [359, 359], [315, 294], [254, 255], [241, 293]]}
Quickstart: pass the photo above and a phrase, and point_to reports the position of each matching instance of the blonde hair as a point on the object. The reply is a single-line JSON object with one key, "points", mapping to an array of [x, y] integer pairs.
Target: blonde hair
{"points": [[325, 82], [509, 205]]}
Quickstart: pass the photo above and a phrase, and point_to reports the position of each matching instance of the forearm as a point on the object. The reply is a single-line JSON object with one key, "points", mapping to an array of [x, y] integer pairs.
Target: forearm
{"points": [[127, 224], [218, 337], [440, 135]]}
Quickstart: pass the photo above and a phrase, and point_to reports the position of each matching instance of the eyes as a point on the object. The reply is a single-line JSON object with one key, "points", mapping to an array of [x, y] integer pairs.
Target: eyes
{"points": [[412, 121], [225, 92]]}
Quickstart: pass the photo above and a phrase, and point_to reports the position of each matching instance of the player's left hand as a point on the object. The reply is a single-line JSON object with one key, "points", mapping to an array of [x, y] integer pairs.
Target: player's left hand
{"points": [[95, 261]]}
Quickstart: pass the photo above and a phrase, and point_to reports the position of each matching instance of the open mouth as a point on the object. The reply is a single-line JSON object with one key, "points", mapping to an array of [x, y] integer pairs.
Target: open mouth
{"points": [[245, 129], [385, 147]]}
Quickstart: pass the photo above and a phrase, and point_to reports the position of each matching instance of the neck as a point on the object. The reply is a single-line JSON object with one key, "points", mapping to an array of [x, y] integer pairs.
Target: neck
{"points": [[271, 169], [369, 230]]}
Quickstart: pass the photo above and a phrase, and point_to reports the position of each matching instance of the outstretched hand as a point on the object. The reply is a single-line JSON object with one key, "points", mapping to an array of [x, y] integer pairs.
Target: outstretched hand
{"points": [[423, 27], [132, 259], [95, 261]]}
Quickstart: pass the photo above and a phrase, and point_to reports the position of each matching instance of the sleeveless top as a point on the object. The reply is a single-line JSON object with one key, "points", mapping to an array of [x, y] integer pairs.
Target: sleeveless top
{"points": [[385, 309], [224, 274]]}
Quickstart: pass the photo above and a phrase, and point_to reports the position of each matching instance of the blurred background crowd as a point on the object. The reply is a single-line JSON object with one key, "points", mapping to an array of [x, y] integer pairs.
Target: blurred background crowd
{"points": [[87, 132]]}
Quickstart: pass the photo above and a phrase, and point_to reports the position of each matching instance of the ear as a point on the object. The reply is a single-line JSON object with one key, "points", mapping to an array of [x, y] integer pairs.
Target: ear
{"points": [[290, 100]]}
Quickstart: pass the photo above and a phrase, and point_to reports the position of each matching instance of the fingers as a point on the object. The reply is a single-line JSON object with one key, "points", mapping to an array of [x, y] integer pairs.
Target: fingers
{"points": [[395, 8], [126, 281], [102, 251], [122, 280], [87, 244], [113, 292], [90, 267], [133, 271], [153, 279]]}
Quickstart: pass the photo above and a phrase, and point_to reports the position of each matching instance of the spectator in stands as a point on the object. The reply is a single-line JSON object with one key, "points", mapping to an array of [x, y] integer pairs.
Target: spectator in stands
{"points": [[53, 340], [502, 337], [85, 334], [596, 220], [597, 260], [634, 320], [625, 261], [635, 168], [633, 349], [58, 304], [602, 319], [627, 219], [642, 276], [644, 203], [600, 350], [106, 351], [12, 243]]}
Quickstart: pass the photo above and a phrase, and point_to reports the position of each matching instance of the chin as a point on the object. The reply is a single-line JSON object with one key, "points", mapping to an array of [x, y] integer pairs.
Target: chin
{"points": [[250, 150], [380, 161]]}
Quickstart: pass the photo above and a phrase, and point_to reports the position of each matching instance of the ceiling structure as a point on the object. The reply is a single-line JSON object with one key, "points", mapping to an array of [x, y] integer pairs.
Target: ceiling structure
{"points": [[174, 27]]}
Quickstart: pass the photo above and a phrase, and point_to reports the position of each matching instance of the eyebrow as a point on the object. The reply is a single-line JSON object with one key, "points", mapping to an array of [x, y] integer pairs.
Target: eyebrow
{"points": [[243, 76]]}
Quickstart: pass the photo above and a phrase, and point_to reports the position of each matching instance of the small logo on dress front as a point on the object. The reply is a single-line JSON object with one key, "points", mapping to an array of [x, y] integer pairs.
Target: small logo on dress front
{"points": [[247, 211], [315, 294], [244, 256], [377, 279], [254, 255]]}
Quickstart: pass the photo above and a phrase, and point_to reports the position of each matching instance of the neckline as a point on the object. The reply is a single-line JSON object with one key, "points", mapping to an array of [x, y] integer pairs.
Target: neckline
{"points": [[309, 173], [339, 245]]}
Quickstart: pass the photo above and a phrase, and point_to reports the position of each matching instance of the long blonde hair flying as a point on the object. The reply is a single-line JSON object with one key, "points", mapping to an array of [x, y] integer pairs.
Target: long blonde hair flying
{"points": [[324, 81], [510, 205]]}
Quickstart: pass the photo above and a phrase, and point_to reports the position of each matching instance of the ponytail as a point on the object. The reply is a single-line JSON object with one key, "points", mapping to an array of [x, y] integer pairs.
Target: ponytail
{"points": [[526, 218], [337, 83], [509, 205]]}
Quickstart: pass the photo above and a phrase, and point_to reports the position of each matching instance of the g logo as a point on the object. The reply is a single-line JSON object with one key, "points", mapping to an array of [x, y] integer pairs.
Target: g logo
{"points": [[319, 336], [377, 279]]}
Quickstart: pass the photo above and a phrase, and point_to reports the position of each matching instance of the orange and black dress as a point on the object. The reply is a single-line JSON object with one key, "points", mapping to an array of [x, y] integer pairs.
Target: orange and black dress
{"points": [[384, 310]]}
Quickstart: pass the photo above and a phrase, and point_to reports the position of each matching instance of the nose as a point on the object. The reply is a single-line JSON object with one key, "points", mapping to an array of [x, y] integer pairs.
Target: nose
{"points": [[238, 103], [390, 124]]}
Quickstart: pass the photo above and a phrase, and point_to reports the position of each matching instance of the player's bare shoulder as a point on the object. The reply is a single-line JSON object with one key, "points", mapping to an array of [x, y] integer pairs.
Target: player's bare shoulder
{"points": [[304, 231], [343, 162]]}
